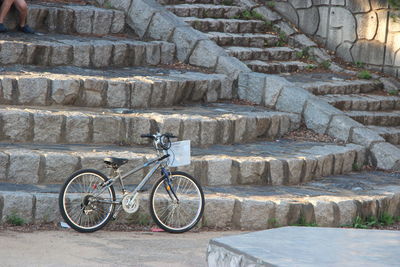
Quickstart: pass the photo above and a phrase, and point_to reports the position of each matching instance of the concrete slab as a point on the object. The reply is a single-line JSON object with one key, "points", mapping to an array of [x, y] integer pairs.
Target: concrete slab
{"points": [[307, 246]]}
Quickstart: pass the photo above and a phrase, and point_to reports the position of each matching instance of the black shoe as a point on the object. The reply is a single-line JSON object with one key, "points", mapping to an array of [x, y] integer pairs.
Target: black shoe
{"points": [[26, 29], [3, 28]]}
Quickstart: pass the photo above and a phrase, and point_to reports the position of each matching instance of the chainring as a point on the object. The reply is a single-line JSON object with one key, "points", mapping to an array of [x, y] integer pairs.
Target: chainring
{"points": [[130, 203]]}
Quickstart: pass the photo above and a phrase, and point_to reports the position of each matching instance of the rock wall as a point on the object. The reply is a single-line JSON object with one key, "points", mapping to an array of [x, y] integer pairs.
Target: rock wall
{"points": [[357, 30]]}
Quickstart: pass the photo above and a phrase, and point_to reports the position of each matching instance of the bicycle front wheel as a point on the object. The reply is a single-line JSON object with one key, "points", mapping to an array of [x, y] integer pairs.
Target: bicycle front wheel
{"points": [[85, 203], [177, 207]]}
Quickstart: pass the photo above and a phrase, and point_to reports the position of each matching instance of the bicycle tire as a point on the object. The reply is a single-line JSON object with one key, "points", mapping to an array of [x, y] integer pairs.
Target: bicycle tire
{"points": [[78, 203], [167, 212]]}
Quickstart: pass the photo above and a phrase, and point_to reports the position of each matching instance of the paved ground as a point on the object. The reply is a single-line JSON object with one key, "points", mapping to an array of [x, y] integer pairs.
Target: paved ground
{"points": [[104, 248]]}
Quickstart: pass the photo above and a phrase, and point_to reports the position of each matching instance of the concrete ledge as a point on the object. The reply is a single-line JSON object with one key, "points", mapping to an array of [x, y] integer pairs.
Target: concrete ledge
{"points": [[302, 246]]}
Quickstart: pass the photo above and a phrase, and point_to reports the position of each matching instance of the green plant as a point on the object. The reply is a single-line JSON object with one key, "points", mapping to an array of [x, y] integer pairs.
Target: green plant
{"points": [[386, 219], [311, 66], [356, 167], [371, 221], [393, 92], [303, 222], [268, 25], [248, 15], [283, 39], [325, 64], [227, 2], [359, 223], [364, 74], [14, 219], [304, 53], [271, 4], [143, 219], [395, 4], [107, 5], [359, 64], [273, 222]]}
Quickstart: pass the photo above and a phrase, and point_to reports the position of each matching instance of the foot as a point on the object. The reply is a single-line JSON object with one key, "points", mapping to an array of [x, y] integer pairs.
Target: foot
{"points": [[26, 29], [3, 28]]}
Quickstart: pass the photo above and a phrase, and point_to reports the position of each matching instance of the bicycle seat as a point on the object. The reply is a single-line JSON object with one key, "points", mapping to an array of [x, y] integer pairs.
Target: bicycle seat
{"points": [[115, 162]]}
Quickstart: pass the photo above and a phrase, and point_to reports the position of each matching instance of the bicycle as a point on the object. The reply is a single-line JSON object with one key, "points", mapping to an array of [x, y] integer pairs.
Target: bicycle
{"points": [[87, 200]]}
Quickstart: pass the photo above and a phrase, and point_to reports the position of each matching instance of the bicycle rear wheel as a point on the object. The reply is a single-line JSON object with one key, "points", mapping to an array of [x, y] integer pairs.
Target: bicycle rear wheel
{"points": [[85, 204], [177, 207]]}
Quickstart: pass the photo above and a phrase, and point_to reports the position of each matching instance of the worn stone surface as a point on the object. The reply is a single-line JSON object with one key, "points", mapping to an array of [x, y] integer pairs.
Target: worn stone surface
{"points": [[206, 47], [340, 127], [317, 115], [47, 128], [58, 166], [17, 204], [45, 207], [292, 99], [17, 126], [24, 167], [386, 156], [218, 212], [254, 214]]}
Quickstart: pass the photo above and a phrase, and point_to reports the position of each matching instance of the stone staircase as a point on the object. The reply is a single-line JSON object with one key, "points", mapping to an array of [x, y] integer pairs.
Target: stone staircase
{"points": [[88, 87], [223, 22]]}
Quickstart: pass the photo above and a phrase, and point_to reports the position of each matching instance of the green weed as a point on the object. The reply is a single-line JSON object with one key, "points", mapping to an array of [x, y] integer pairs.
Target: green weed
{"points": [[364, 74], [227, 2], [393, 92], [303, 222], [359, 64], [356, 167], [304, 53], [107, 5], [271, 4], [273, 222], [384, 219], [143, 219], [249, 15], [14, 219], [325, 64]]}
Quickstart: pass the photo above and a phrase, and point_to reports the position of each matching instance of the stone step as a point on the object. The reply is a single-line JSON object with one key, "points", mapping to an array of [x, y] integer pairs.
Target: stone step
{"points": [[363, 102], [267, 54], [227, 25], [202, 124], [333, 83], [135, 87], [391, 134], [243, 39], [276, 67], [56, 50], [69, 19], [331, 202], [281, 162], [205, 10], [381, 118]]}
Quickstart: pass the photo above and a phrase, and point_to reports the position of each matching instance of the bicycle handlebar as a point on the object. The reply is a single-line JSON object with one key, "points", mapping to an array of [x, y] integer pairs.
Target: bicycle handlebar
{"points": [[154, 136], [160, 140]]}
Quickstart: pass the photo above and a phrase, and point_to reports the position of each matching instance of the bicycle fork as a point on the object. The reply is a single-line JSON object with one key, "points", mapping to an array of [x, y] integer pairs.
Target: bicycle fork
{"points": [[168, 186]]}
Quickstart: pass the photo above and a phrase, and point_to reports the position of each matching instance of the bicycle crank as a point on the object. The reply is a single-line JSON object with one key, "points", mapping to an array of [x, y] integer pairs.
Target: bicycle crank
{"points": [[130, 203]]}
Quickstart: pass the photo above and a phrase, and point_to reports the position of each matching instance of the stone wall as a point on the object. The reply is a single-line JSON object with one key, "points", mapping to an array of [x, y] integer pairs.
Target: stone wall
{"points": [[357, 30]]}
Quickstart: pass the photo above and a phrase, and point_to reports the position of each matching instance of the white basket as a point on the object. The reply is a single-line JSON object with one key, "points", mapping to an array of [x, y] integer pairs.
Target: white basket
{"points": [[179, 154]]}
